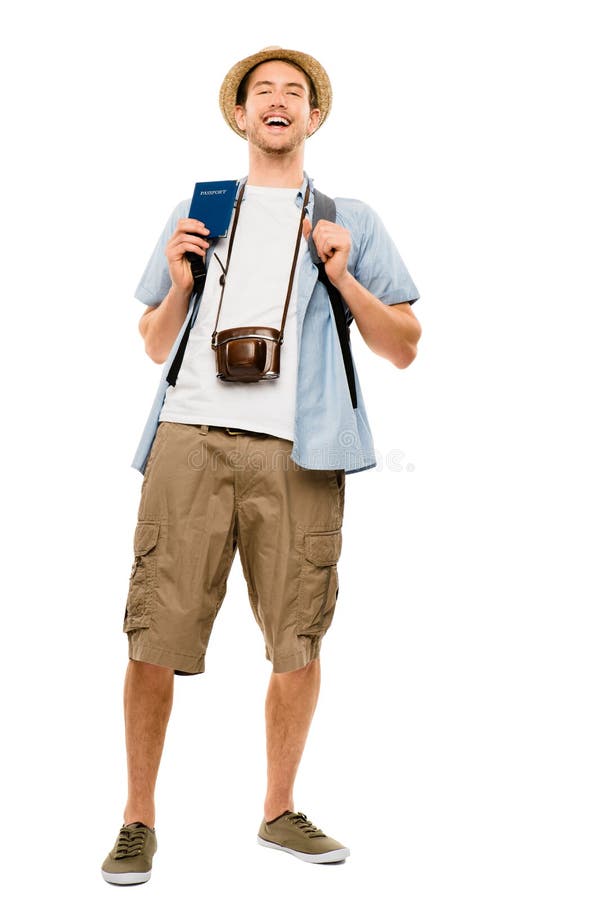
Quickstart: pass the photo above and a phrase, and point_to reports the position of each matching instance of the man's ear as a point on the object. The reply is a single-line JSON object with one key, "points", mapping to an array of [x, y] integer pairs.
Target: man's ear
{"points": [[314, 117], [240, 117]]}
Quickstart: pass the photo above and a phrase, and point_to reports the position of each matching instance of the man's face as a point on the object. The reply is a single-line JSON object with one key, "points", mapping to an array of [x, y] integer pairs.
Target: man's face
{"points": [[277, 116]]}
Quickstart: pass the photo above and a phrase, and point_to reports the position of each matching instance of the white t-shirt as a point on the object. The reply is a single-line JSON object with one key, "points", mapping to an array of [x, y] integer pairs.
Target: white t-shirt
{"points": [[255, 294]]}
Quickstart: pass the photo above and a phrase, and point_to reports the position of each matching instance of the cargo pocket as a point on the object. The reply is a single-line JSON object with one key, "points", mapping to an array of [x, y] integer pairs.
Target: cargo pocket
{"points": [[142, 580], [318, 589]]}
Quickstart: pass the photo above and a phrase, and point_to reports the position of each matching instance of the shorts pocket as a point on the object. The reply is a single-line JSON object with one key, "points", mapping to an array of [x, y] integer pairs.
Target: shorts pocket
{"points": [[142, 580], [154, 450], [338, 481], [318, 589]]}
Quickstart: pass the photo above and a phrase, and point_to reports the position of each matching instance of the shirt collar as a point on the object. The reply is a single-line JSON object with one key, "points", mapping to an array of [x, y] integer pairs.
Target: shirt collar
{"points": [[300, 194]]}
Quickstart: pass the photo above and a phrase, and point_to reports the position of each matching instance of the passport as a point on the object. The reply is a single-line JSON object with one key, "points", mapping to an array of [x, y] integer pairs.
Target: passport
{"points": [[212, 203]]}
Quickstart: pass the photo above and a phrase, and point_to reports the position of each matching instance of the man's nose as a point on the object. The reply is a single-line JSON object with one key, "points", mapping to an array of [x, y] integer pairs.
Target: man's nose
{"points": [[278, 98]]}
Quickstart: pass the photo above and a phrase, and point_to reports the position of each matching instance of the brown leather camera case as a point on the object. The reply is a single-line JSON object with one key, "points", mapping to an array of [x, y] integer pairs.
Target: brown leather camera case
{"points": [[248, 353]]}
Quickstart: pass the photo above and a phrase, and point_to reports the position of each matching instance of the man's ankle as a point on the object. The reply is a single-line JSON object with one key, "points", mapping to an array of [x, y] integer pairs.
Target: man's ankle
{"points": [[272, 811], [139, 816]]}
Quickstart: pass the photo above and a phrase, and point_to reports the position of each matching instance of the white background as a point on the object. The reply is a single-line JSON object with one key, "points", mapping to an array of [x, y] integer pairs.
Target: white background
{"points": [[455, 747]]}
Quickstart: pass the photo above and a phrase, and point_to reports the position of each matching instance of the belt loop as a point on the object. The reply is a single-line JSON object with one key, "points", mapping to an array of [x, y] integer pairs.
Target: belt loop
{"points": [[204, 429]]}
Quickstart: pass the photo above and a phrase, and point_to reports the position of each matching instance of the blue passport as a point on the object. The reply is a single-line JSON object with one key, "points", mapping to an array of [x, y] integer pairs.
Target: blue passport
{"points": [[212, 203]]}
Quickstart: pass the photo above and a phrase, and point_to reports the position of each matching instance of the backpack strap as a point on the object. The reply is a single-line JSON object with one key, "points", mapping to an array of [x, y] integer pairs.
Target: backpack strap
{"points": [[325, 208], [200, 276]]}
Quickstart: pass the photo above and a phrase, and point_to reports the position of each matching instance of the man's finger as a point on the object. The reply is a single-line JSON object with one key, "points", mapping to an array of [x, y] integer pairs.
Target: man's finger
{"points": [[192, 248], [192, 225], [180, 237]]}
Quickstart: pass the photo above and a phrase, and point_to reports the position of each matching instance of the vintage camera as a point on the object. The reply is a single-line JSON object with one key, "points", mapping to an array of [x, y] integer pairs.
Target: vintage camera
{"points": [[248, 353]]}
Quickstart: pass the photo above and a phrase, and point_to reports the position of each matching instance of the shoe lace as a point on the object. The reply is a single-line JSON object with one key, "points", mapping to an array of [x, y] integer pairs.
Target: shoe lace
{"points": [[305, 825], [130, 842]]}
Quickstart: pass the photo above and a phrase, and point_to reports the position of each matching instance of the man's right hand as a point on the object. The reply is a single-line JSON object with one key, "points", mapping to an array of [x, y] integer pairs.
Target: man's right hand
{"points": [[161, 323], [187, 238]]}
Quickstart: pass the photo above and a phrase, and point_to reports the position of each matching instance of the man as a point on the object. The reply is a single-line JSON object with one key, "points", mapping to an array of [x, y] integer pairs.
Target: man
{"points": [[257, 465]]}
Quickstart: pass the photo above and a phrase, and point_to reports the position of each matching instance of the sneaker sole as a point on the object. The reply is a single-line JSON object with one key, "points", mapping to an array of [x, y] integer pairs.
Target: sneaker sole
{"points": [[126, 877], [330, 856]]}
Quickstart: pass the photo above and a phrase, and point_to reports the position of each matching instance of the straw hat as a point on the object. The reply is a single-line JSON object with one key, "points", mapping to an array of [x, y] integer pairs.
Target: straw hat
{"points": [[314, 71]]}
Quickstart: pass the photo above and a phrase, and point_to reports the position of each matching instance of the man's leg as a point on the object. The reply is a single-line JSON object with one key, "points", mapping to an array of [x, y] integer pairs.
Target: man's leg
{"points": [[289, 707], [147, 702]]}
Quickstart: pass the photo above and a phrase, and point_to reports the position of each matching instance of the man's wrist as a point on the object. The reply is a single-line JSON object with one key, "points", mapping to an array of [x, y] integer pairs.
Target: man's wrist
{"points": [[345, 281], [180, 294]]}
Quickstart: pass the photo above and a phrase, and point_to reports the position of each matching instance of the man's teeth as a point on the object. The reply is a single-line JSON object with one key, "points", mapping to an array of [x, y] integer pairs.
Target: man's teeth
{"points": [[275, 120]]}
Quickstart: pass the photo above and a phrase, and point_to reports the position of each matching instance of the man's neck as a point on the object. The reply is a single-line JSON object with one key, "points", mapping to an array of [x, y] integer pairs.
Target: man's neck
{"points": [[274, 171]]}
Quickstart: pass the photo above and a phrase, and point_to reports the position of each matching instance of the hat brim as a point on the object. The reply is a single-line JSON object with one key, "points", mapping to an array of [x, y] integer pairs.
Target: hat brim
{"points": [[313, 69]]}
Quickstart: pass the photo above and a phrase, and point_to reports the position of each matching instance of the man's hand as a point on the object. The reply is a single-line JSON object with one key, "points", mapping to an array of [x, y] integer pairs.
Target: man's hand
{"points": [[333, 245], [185, 239], [161, 323]]}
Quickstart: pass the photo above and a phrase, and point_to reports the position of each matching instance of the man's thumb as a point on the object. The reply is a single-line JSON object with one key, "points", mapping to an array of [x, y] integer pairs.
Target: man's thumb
{"points": [[306, 228]]}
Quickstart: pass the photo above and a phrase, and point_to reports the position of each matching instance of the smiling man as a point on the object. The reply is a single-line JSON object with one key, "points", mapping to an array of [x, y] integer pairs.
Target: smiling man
{"points": [[256, 464]]}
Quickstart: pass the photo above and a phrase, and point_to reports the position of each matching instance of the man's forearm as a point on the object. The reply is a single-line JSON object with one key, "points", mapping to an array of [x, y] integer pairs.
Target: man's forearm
{"points": [[160, 326], [390, 333]]}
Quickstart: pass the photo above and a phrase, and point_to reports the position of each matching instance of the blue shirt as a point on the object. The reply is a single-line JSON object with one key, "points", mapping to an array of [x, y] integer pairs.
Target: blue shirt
{"points": [[328, 432]]}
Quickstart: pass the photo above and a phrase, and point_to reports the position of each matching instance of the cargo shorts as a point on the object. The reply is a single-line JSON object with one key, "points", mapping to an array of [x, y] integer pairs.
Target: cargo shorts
{"points": [[208, 491]]}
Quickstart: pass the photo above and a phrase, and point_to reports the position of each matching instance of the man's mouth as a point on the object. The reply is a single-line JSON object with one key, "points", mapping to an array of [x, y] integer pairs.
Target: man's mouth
{"points": [[276, 123]]}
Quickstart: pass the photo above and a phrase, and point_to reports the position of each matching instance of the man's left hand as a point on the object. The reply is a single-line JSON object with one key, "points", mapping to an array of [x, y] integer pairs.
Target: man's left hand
{"points": [[333, 245]]}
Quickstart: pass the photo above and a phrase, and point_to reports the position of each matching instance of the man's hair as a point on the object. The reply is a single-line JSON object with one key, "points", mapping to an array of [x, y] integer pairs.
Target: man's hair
{"points": [[243, 86]]}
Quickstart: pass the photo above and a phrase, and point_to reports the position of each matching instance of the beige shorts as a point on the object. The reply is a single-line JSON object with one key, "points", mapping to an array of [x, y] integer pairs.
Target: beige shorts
{"points": [[207, 492]]}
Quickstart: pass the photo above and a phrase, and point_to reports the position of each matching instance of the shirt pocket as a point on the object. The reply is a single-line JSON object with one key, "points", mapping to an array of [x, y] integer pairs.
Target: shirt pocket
{"points": [[318, 590], [142, 580]]}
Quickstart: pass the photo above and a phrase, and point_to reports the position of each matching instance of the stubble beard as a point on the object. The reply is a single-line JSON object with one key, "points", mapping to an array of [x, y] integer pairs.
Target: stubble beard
{"points": [[292, 143]]}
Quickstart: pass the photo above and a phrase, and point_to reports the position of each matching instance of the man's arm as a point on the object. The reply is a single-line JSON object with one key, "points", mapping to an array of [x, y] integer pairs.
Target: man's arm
{"points": [[391, 331], [160, 325]]}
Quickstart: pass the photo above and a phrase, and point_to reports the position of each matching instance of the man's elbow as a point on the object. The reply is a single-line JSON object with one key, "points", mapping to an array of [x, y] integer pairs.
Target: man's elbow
{"points": [[409, 348], [151, 348], [157, 355], [407, 357]]}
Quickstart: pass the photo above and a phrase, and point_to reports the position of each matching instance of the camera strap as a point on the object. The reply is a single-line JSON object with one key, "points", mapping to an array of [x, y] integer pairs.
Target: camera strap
{"points": [[199, 271], [223, 278], [324, 208]]}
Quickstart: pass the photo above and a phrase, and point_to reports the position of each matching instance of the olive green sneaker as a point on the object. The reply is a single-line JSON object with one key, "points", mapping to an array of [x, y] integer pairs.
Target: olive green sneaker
{"points": [[294, 833], [130, 860]]}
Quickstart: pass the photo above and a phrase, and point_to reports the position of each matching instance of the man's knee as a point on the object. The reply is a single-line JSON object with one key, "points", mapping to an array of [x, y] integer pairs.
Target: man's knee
{"points": [[299, 673], [149, 671]]}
